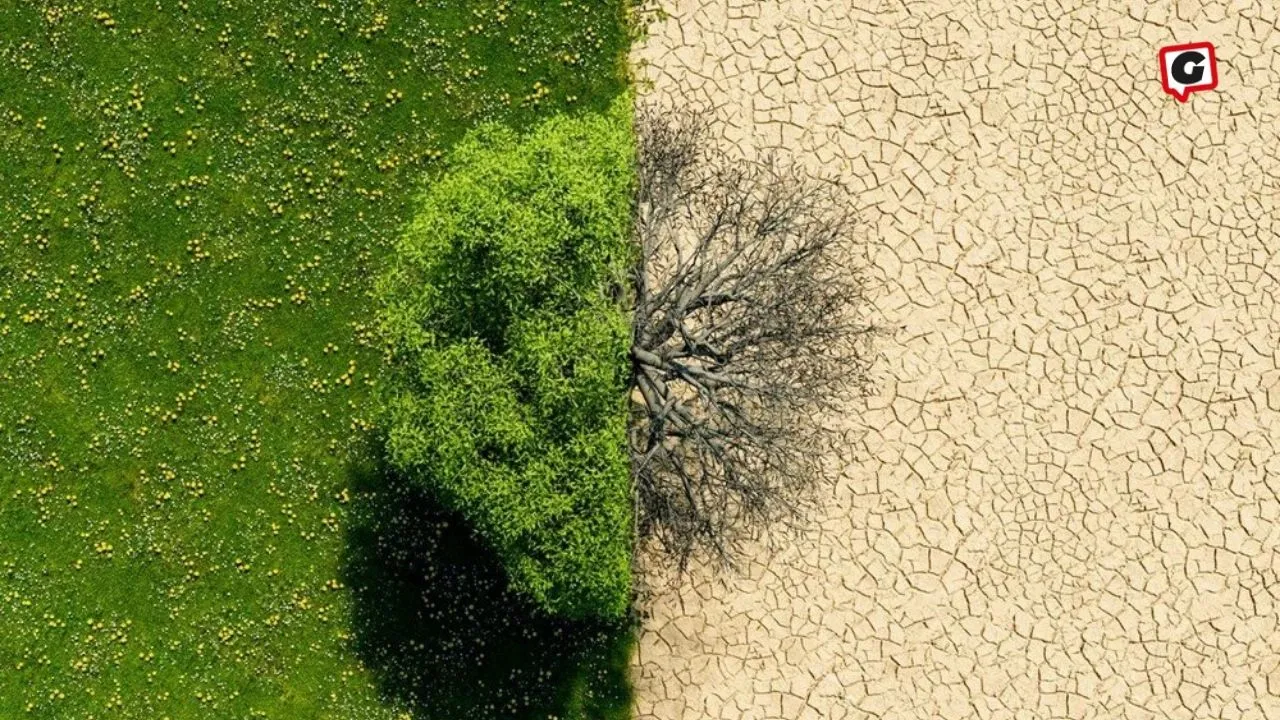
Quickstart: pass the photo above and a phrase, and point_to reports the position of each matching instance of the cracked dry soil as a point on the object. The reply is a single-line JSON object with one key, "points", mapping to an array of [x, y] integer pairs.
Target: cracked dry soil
{"points": [[1064, 502]]}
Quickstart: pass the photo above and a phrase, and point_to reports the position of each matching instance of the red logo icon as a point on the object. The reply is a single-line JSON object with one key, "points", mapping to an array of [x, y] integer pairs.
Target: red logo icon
{"points": [[1188, 68]]}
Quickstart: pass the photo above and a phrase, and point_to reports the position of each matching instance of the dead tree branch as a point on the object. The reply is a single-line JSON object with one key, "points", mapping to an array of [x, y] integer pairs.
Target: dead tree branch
{"points": [[746, 338]]}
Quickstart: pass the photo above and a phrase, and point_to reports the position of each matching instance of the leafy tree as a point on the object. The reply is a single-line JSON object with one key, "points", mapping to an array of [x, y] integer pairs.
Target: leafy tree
{"points": [[509, 349]]}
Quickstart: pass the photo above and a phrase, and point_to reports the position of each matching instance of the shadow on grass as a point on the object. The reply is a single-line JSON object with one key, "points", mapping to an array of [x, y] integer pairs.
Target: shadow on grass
{"points": [[434, 622]]}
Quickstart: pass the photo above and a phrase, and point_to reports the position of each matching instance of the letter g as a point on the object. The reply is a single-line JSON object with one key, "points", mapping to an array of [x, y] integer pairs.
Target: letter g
{"points": [[1181, 74]]}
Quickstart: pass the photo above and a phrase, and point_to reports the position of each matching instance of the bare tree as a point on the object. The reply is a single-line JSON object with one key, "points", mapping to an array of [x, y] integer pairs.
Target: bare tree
{"points": [[746, 338]]}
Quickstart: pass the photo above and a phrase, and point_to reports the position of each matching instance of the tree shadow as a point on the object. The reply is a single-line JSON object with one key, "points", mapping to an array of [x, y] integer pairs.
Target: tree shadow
{"points": [[435, 623]]}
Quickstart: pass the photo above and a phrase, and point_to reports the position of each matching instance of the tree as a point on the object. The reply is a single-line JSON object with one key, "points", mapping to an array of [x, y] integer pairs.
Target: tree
{"points": [[508, 339], [745, 337]]}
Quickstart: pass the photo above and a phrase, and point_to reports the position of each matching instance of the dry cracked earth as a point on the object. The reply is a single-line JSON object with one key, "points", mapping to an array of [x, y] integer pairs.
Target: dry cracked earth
{"points": [[1064, 501]]}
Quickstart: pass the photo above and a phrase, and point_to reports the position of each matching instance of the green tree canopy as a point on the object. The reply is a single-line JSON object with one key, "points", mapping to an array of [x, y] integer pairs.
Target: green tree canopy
{"points": [[508, 391]]}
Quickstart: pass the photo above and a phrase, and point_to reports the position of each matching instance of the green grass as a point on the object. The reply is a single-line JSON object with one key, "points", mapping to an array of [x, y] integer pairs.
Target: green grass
{"points": [[431, 603], [194, 199]]}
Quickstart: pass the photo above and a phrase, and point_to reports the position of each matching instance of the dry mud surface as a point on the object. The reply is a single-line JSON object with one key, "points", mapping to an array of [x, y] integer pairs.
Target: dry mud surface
{"points": [[1066, 501]]}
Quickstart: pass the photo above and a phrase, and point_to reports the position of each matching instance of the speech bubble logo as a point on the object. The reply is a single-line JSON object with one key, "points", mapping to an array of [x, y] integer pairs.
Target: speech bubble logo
{"points": [[1188, 68]]}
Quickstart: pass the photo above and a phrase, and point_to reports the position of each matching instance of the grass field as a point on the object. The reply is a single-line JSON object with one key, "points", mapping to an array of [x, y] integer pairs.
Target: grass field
{"points": [[194, 197]]}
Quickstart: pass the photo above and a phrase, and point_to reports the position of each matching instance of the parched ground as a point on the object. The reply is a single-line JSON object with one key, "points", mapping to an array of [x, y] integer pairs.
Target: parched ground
{"points": [[1066, 502]]}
